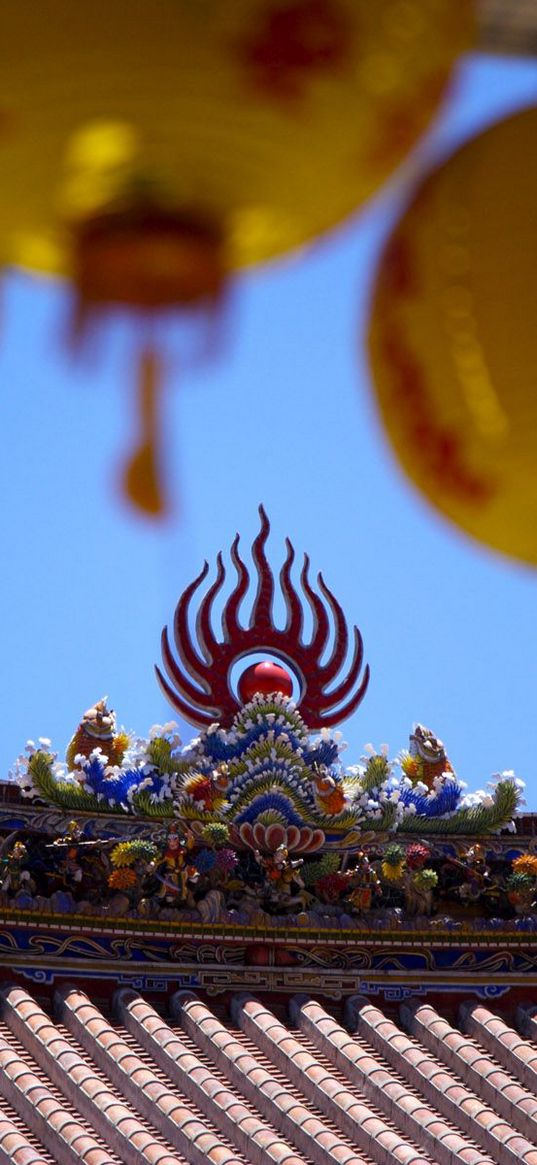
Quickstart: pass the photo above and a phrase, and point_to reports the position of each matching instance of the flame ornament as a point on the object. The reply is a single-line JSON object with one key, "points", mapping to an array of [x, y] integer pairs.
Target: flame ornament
{"points": [[197, 680]]}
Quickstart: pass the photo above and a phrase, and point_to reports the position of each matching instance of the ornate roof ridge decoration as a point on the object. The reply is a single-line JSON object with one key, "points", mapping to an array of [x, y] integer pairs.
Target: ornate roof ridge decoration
{"points": [[198, 684], [256, 779], [252, 846]]}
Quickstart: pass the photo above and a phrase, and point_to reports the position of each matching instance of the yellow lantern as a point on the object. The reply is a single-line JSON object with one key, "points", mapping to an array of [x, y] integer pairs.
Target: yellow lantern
{"points": [[150, 147], [453, 340]]}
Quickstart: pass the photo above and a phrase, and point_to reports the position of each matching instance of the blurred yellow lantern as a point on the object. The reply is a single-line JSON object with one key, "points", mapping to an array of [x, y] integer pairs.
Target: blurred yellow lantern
{"points": [[151, 147], [453, 338]]}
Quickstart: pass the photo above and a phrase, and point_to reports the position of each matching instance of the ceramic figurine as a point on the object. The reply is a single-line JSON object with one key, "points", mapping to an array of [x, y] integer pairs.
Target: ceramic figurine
{"points": [[426, 757], [329, 794], [175, 871], [364, 885], [69, 867], [476, 876], [284, 884], [14, 875], [97, 729]]}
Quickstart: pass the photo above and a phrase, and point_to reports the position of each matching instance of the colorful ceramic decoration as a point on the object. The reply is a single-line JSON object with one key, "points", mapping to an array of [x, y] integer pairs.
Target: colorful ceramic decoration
{"points": [[97, 729], [452, 339], [256, 822], [426, 758], [149, 150], [173, 877], [255, 776]]}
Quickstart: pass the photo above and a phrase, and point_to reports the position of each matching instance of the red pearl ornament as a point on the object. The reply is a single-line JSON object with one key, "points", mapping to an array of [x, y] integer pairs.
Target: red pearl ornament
{"points": [[266, 678]]}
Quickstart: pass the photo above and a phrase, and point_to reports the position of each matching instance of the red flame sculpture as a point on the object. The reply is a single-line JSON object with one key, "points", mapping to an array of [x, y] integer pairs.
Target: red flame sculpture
{"points": [[200, 691]]}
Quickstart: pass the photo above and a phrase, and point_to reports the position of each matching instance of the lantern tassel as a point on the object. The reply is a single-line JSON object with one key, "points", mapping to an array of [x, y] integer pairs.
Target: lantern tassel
{"points": [[142, 483]]}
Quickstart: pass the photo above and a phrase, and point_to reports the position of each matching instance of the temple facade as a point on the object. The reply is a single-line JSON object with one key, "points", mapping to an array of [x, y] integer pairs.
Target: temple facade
{"points": [[239, 950]]}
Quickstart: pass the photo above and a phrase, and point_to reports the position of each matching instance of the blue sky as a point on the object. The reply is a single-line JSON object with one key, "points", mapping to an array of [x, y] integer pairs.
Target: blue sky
{"points": [[284, 415]]}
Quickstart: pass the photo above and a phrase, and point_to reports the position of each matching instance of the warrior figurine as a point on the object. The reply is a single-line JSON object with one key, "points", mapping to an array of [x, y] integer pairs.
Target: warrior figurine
{"points": [[15, 876], [364, 884], [70, 866], [285, 886], [477, 876], [175, 872]]}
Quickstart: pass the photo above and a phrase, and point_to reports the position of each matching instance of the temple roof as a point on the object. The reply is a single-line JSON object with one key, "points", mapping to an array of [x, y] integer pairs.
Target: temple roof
{"points": [[263, 1085], [248, 865]]}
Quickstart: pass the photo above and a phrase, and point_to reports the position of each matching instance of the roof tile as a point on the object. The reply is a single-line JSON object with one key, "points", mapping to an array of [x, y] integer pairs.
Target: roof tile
{"points": [[434, 1095]]}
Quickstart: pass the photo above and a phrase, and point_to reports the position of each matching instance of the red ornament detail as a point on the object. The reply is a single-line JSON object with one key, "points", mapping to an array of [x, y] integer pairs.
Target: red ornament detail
{"points": [[198, 687], [266, 678], [198, 684]]}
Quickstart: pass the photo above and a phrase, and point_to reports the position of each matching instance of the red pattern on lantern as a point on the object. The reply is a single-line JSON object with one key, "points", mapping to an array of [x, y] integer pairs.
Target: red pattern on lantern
{"points": [[293, 41]]}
